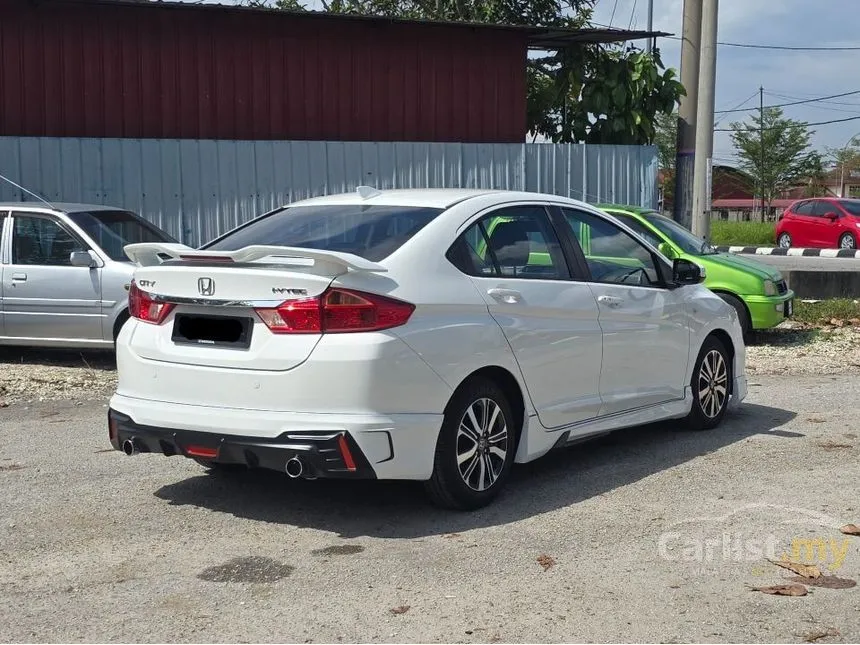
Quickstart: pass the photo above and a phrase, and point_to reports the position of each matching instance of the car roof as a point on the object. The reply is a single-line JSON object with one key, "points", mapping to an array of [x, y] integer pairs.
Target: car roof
{"points": [[62, 207], [442, 198], [636, 210]]}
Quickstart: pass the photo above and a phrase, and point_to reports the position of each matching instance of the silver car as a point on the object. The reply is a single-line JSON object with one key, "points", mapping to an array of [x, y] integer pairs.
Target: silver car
{"points": [[63, 274]]}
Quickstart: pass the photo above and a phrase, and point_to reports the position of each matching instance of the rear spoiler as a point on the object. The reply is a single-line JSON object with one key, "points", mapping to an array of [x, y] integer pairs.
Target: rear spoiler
{"points": [[149, 254]]}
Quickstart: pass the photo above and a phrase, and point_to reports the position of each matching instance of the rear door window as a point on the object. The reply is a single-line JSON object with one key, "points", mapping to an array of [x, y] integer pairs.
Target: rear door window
{"points": [[514, 242], [370, 232]]}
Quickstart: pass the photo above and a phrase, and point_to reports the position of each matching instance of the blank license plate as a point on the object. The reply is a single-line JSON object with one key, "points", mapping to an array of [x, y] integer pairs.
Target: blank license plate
{"points": [[212, 331]]}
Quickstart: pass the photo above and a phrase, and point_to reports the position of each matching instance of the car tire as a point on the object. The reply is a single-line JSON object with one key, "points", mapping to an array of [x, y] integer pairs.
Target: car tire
{"points": [[712, 372], [784, 241], [847, 241], [476, 481], [743, 314]]}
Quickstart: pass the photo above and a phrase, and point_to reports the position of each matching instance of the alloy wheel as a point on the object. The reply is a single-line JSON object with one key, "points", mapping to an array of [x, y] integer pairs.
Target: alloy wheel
{"points": [[784, 241], [713, 384], [482, 444], [847, 242]]}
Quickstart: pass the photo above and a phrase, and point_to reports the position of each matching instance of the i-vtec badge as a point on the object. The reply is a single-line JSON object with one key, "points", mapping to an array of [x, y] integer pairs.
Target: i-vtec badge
{"points": [[206, 286], [292, 292]]}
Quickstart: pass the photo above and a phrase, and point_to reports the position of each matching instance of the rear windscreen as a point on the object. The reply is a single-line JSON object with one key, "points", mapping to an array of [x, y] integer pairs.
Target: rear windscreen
{"points": [[370, 232]]}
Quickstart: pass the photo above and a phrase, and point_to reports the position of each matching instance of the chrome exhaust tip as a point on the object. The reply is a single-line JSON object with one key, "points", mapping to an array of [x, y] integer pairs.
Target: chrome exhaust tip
{"points": [[130, 447], [294, 467]]}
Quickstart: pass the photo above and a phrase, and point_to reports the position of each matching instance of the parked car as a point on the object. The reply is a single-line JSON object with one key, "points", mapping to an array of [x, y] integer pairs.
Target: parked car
{"points": [[756, 291], [824, 223], [63, 273], [435, 335]]}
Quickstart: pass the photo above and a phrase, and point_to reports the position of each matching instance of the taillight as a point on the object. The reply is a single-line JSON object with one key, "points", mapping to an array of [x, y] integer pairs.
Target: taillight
{"points": [[337, 311], [143, 307]]}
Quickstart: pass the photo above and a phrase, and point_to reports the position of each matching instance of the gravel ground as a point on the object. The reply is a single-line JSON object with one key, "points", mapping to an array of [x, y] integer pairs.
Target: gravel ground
{"points": [[29, 375], [606, 541]]}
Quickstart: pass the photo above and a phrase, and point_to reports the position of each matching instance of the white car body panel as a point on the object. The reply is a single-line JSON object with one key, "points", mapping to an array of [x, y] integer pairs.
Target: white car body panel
{"points": [[583, 368]]}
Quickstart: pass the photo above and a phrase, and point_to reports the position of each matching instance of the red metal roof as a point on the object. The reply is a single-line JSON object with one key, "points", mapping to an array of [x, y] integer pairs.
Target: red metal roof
{"points": [[83, 69]]}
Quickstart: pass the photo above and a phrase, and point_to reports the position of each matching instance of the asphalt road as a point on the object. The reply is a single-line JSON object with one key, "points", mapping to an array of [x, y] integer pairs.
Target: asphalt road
{"points": [[787, 263], [607, 541]]}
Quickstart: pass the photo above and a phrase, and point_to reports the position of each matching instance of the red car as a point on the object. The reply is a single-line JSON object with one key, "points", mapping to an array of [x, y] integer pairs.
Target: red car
{"points": [[820, 223]]}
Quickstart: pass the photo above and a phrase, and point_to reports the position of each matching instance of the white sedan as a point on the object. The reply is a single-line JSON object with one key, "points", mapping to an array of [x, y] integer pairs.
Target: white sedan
{"points": [[435, 335]]}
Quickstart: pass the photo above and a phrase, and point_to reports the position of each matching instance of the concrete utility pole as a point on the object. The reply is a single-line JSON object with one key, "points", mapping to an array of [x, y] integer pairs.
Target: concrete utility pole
{"points": [[650, 44], [761, 143], [684, 159], [705, 121]]}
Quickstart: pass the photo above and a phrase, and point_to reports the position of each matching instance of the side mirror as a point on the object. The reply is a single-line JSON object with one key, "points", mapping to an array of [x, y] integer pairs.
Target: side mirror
{"points": [[82, 259], [686, 272], [831, 216], [666, 250]]}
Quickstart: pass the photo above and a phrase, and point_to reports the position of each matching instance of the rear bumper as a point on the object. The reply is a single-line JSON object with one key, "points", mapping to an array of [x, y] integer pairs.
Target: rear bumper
{"points": [[768, 311], [322, 454], [383, 447]]}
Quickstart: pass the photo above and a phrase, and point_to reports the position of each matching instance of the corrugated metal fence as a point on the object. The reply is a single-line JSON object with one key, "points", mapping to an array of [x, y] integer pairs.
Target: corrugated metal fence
{"points": [[197, 190]]}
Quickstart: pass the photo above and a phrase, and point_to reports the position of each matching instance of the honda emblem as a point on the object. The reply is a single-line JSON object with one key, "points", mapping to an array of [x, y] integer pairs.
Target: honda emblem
{"points": [[206, 286]]}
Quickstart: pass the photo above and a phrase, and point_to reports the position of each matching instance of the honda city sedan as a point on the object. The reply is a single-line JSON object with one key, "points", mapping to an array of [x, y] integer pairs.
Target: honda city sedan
{"points": [[433, 335]]}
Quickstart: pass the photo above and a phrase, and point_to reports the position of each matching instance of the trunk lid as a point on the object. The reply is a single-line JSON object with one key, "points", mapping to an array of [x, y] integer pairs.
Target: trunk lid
{"points": [[214, 322]]}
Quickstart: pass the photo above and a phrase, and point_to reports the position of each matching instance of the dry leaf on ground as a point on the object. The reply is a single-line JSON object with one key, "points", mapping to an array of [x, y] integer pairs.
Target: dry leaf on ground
{"points": [[850, 529], [402, 609], [827, 582], [805, 570], [817, 635], [547, 562], [782, 590]]}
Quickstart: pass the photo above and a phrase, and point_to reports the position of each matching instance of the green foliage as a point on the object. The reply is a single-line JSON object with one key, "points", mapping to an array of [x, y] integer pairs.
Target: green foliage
{"points": [[584, 93], [597, 94], [742, 233], [787, 160]]}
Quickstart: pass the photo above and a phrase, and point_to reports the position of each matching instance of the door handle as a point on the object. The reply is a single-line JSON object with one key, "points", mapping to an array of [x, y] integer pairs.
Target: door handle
{"points": [[509, 296], [610, 301], [19, 277]]}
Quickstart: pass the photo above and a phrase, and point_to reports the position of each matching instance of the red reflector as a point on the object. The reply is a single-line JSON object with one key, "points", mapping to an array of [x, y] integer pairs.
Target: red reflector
{"points": [[337, 311], [143, 307], [201, 451], [344, 452]]}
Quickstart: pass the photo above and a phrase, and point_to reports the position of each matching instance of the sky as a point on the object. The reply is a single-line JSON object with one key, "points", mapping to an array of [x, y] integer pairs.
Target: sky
{"points": [[785, 75]]}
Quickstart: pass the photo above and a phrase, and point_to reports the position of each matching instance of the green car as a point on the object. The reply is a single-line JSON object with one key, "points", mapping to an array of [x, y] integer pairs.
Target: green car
{"points": [[756, 291]]}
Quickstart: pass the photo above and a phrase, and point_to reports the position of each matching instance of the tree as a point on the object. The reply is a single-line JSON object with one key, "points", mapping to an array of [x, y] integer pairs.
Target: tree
{"points": [[816, 177], [845, 160], [585, 92], [787, 159]]}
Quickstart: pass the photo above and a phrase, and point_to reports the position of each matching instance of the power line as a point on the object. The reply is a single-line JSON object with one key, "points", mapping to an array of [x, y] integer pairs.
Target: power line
{"points": [[612, 17], [788, 97], [632, 16], [781, 47], [804, 123], [742, 103], [849, 48], [780, 105]]}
